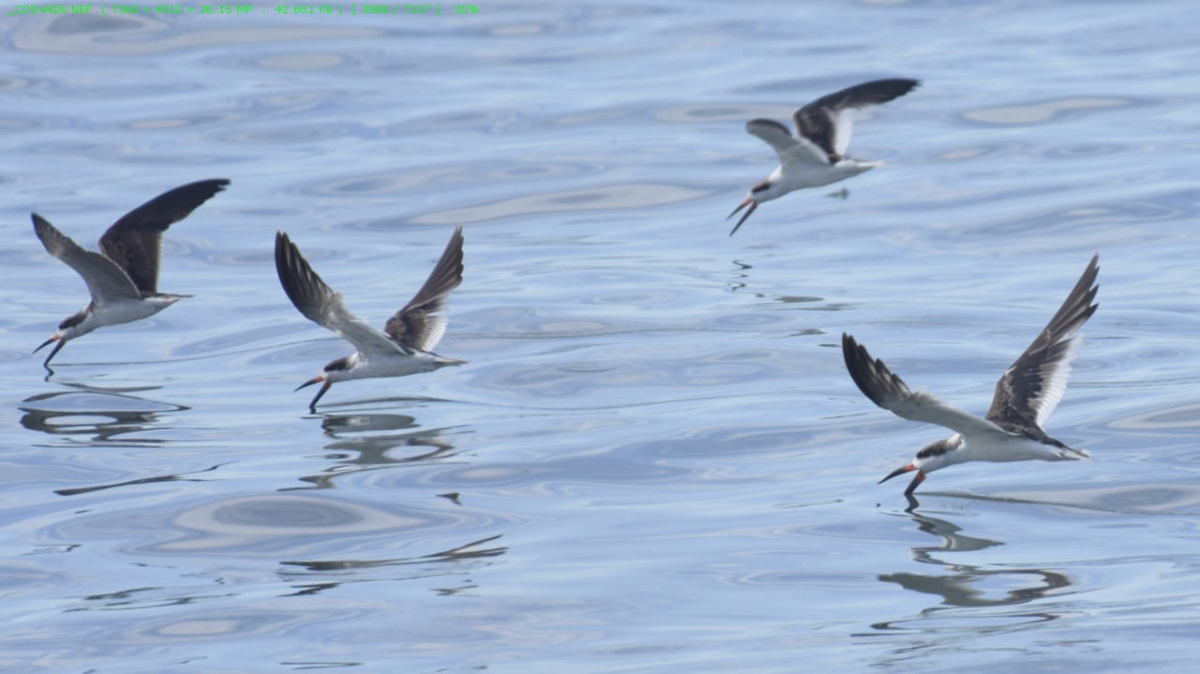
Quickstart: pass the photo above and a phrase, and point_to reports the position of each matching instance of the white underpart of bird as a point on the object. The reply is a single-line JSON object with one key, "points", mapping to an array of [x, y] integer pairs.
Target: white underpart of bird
{"points": [[816, 154], [1024, 396], [123, 277], [404, 347]]}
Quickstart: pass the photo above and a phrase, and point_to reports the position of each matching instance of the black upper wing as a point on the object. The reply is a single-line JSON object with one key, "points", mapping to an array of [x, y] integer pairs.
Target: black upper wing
{"points": [[134, 242], [818, 120]]}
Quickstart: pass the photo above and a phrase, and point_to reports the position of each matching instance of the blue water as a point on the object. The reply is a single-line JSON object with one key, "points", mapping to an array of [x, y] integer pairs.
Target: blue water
{"points": [[654, 460]]}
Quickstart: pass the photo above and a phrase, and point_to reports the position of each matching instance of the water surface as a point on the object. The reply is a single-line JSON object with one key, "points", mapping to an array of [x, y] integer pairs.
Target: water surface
{"points": [[654, 460]]}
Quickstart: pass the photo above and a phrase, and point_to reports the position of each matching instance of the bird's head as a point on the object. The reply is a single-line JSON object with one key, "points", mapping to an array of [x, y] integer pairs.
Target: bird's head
{"points": [[71, 327], [764, 191], [334, 371], [932, 457]]}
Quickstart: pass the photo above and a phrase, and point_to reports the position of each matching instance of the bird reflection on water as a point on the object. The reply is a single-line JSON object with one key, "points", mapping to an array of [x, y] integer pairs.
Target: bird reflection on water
{"points": [[127, 412], [100, 416], [960, 586], [364, 442]]}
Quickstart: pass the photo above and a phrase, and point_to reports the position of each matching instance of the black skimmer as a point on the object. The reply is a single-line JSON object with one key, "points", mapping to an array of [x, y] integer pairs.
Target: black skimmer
{"points": [[816, 155], [1025, 396], [123, 277], [404, 346]]}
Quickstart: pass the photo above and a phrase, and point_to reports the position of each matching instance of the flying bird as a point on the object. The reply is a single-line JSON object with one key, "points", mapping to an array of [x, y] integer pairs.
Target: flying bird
{"points": [[816, 155], [1024, 398], [123, 276], [405, 345]]}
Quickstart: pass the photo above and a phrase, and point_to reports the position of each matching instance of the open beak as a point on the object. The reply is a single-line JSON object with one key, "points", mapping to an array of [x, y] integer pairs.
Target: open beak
{"points": [[312, 406], [315, 380], [905, 469], [53, 352], [748, 202], [48, 342]]}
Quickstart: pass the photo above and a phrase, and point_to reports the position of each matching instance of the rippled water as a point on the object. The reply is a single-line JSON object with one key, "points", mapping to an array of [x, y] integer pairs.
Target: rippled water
{"points": [[654, 460]]}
